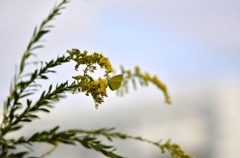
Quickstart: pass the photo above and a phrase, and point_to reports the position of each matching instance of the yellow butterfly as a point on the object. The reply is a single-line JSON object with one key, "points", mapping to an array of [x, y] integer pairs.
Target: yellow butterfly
{"points": [[115, 82]]}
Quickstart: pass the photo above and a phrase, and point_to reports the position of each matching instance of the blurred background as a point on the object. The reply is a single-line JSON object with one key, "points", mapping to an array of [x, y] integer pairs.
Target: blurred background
{"points": [[193, 46]]}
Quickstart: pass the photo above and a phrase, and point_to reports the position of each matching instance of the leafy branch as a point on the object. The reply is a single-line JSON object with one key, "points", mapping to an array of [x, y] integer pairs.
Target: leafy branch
{"points": [[70, 137], [90, 140], [38, 33], [174, 149], [17, 87], [11, 118], [144, 79]]}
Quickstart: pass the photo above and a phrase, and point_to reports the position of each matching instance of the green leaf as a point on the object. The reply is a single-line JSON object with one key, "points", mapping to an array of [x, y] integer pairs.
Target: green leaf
{"points": [[44, 110], [44, 77], [26, 120], [37, 47], [26, 94], [115, 82], [16, 127]]}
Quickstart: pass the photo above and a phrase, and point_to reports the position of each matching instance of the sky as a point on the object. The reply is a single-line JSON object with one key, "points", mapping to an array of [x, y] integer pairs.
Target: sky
{"points": [[193, 46]]}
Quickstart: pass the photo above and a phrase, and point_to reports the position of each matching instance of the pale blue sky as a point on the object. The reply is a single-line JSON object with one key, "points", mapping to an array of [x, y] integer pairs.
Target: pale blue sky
{"points": [[180, 41], [184, 38], [192, 45]]}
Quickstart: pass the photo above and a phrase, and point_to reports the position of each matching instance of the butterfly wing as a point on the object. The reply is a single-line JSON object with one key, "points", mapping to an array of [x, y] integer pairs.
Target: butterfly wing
{"points": [[115, 82]]}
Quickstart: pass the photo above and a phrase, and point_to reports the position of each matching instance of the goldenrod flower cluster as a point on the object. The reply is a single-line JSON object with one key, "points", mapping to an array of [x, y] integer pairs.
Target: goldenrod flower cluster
{"points": [[82, 58], [84, 82]]}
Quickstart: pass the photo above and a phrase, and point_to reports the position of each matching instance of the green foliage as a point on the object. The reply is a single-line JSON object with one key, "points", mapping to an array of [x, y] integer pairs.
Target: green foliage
{"points": [[38, 33], [19, 109], [144, 79]]}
